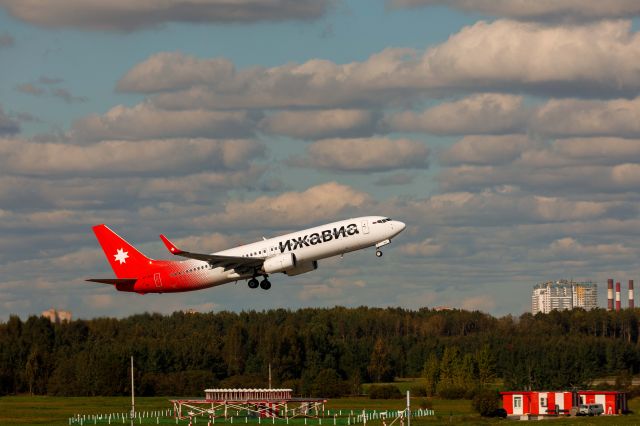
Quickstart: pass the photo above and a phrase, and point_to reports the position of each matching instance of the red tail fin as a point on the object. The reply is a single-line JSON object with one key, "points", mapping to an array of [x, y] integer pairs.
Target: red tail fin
{"points": [[125, 260]]}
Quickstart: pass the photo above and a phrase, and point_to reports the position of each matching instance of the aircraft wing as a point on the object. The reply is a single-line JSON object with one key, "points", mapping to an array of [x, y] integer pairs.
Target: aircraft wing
{"points": [[240, 264]]}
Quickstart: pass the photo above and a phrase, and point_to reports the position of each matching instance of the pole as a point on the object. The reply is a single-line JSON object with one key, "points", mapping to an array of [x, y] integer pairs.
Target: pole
{"points": [[408, 409], [269, 375], [133, 401]]}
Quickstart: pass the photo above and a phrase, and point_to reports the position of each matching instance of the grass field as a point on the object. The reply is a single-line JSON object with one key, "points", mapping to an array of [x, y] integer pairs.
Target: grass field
{"points": [[39, 410]]}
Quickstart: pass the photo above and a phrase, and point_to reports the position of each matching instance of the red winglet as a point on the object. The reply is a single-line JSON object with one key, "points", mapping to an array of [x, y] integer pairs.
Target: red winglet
{"points": [[170, 246]]}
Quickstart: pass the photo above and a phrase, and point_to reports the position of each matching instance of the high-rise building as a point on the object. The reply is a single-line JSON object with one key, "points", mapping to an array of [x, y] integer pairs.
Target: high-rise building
{"points": [[57, 316], [563, 294]]}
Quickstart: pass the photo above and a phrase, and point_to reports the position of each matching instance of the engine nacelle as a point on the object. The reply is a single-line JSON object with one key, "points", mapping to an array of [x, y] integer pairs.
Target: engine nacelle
{"points": [[279, 263], [302, 267]]}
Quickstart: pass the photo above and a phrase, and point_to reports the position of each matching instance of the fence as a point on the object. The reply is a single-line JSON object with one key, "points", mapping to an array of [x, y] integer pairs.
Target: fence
{"points": [[344, 417]]}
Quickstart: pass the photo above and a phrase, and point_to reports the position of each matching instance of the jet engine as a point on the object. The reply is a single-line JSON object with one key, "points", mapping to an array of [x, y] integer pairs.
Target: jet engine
{"points": [[279, 263], [302, 268]]}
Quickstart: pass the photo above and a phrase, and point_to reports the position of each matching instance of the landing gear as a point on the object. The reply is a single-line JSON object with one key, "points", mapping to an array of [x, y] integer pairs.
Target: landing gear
{"points": [[381, 244], [253, 283], [265, 284]]}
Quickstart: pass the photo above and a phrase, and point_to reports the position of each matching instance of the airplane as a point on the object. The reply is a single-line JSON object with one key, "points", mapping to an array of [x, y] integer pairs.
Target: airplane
{"points": [[292, 254]]}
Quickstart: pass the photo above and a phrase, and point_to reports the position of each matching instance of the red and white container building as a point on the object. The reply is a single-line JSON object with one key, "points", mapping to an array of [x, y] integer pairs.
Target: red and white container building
{"points": [[553, 403]]}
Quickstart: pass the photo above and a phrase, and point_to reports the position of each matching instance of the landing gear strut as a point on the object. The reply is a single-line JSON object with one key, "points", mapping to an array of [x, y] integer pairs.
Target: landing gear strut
{"points": [[381, 244]]}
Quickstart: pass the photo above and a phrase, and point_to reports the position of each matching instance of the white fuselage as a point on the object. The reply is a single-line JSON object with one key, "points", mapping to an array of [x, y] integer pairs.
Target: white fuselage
{"points": [[309, 245]]}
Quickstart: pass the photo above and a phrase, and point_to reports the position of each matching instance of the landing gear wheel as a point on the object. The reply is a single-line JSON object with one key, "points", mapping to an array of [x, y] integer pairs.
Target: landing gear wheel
{"points": [[378, 253], [265, 284], [253, 283]]}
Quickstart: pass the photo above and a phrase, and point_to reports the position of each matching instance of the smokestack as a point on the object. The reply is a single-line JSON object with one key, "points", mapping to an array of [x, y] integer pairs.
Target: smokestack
{"points": [[610, 294], [617, 295], [632, 299]]}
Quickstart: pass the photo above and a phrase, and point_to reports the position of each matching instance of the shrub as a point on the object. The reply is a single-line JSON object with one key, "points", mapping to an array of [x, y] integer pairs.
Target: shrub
{"points": [[418, 391], [384, 392], [451, 391], [426, 404], [486, 402]]}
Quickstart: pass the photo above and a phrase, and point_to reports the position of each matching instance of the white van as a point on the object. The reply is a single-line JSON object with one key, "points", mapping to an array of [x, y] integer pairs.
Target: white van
{"points": [[590, 409]]}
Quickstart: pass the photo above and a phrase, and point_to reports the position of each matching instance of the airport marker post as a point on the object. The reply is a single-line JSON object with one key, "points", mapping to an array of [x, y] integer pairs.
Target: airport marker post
{"points": [[408, 409], [133, 402]]}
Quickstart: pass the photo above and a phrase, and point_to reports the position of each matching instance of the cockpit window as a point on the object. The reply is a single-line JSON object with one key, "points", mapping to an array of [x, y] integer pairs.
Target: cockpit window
{"points": [[386, 219]]}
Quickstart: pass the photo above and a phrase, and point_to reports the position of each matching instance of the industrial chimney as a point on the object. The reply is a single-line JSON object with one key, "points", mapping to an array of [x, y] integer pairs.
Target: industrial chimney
{"points": [[631, 296], [617, 295], [610, 294]]}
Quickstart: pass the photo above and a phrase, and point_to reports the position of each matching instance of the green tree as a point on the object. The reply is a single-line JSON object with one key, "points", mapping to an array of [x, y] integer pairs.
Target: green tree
{"points": [[431, 373], [379, 366], [486, 363]]}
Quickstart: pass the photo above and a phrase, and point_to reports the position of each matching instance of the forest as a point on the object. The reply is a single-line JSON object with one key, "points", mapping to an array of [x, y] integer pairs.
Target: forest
{"points": [[317, 352]]}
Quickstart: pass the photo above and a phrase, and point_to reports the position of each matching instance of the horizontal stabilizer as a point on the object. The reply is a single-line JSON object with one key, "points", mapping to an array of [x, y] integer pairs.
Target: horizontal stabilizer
{"points": [[114, 281]]}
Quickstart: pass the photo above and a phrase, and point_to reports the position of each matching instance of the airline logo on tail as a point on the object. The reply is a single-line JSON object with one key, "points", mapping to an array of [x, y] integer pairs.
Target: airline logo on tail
{"points": [[121, 256]]}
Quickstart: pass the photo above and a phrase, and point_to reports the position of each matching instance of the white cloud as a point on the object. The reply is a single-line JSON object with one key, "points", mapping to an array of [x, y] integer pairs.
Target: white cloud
{"points": [[538, 9], [175, 71], [482, 303], [569, 247], [554, 208], [423, 248], [597, 150], [365, 154], [626, 175], [316, 204], [69, 192], [578, 117], [320, 124], [114, 158], [594, 59], [486, 150], [497, 208], [333, 288], [486, 113], [144, 121], [206, 243], [123, 15]]}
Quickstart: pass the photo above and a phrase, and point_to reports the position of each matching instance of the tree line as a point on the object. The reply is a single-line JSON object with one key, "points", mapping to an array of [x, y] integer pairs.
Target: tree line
{"points": [[317, 352]]}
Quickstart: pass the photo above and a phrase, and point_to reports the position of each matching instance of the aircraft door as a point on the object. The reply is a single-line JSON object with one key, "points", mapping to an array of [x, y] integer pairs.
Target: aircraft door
{"points": [[365, 226], [157, 279]]}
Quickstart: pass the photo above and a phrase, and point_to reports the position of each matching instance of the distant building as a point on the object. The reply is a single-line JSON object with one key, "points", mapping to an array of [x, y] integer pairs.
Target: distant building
{"points": [[57, 316], [554, 403], [443, 308], [562, 295]]}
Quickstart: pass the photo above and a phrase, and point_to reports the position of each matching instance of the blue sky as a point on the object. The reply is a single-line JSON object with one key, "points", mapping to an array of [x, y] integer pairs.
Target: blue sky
{"points": [[505, 134]]}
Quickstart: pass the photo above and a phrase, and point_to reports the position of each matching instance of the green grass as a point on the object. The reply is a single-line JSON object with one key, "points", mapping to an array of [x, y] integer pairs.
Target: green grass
{"points": [[403, 384], [45, 410], [40, 410]]}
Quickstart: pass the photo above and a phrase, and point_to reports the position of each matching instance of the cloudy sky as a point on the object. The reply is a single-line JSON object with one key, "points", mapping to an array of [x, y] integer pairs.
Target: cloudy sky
{"points": [[505, 133]]}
